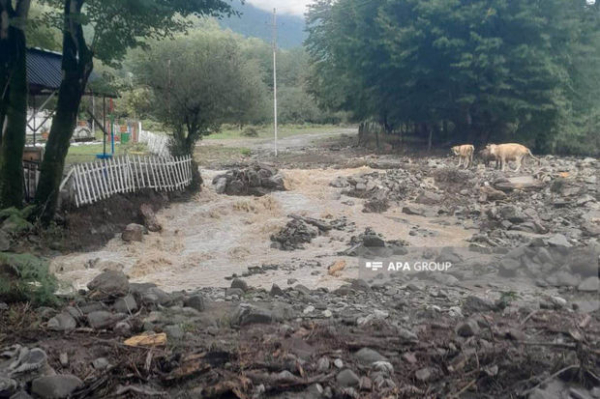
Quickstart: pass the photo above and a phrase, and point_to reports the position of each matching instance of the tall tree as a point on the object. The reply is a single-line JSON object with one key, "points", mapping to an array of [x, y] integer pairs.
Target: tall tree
{"points": [[199, 81], [115, 26], [13, 101], [486, 68]]}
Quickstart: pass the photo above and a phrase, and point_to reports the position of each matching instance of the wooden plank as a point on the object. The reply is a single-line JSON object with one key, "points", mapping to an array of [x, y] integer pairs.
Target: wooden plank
{"points": [[179, 172], [88, 197], [103, 179], [154, 174], [169, 173], [98, 194], [120, 176]]}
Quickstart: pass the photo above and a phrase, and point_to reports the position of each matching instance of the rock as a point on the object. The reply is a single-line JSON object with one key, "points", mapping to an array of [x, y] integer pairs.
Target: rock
{"points": [[8, 387], [475, 304], [338, 363], [276, 290], [239, 283], [155, 296], [590, 284], [323, 365], [133, 233], [295, 233], [101, 363], [220, 185], [122, 329], [409, 210], [373, 241], [410, 358], [347, 378], [62, 322], [508, 267], [428, 198], [590, 306], [468, 328], [102, 319], [558, 301], [150, 220], [376, 206], [249, 314], [367, 356], [425, 374], [64, 359], [126, 304], [3, 306], [55, 386], [197, 302], [174, 332], [559, 241], [109, 284]]}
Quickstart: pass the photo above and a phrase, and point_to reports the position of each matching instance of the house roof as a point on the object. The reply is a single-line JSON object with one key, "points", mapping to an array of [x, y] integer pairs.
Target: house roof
{"points": [[44, 74]]}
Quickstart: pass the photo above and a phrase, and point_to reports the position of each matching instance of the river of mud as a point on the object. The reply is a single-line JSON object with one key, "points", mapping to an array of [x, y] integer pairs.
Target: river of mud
{"points": [[214, 236]]}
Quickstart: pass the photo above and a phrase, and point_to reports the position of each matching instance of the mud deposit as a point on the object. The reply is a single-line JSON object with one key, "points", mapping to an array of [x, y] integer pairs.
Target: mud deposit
{"points": [[214, 236]]}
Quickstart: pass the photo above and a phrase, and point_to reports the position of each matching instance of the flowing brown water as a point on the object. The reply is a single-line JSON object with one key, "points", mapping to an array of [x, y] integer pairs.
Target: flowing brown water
{"points": [[213, 236]]}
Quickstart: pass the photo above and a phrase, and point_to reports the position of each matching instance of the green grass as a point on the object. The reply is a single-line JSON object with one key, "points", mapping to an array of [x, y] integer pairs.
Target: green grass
{"points": [[87, 153], [266, 132]]}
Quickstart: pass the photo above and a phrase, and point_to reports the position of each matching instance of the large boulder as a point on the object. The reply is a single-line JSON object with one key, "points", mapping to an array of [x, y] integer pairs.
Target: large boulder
{"points": [[258, 180], [133, 232], [109, 284], [55, 386]]}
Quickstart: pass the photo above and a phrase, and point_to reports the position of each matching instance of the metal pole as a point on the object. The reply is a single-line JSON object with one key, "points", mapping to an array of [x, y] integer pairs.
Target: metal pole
{"points": [[275, 76], [104, 123]]}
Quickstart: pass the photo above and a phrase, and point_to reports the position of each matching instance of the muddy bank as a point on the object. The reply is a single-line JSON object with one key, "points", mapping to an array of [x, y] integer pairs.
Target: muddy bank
{"points": [[406, 338]]}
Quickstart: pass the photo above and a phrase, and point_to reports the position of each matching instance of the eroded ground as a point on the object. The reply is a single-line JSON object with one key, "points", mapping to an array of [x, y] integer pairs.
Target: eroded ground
{"points": [[234, 312]]}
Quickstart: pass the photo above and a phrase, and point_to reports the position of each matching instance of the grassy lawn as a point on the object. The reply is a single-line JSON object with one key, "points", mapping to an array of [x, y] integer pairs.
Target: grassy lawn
{"points": [[87, 153], [266, 132]]}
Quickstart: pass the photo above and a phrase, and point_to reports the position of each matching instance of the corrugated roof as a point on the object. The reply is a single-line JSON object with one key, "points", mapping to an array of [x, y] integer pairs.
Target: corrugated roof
{"points": [[44, 71]]}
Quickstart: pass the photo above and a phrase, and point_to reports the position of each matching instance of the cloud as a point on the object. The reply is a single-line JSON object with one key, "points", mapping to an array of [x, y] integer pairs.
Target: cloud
{"points": [[295, 7]]}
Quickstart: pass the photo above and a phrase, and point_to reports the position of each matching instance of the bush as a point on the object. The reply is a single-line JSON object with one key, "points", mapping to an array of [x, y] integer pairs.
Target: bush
{"points": [[250, 132], [25, 278]]}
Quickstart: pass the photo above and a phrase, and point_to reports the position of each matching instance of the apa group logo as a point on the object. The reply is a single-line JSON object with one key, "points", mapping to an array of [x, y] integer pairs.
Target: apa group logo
{"points": [[374, 266]]}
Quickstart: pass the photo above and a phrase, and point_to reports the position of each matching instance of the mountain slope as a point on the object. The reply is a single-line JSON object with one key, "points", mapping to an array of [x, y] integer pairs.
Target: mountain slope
{"points": [[255, 22]]}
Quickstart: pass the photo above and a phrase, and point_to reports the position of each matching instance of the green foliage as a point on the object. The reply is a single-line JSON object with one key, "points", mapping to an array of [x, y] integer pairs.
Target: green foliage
{"points": [[25, 278], [250, 132], [199, 81], [491, 69]]}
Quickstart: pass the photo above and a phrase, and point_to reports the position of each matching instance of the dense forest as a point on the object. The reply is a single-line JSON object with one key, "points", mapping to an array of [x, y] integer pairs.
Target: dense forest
{"points": [[463, 70]]}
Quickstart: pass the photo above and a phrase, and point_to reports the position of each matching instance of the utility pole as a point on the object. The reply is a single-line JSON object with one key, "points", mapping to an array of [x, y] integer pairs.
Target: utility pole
{"points": [[275, 76]]}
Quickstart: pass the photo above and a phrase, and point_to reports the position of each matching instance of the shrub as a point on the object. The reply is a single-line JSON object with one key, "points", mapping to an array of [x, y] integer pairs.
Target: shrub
{"points": [[250, 132], [25, 278]]}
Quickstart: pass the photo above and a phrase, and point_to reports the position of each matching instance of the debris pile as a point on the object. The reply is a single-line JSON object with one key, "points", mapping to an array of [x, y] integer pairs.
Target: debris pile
{"points": [[256, 180], [301, 230], [370, 244]]}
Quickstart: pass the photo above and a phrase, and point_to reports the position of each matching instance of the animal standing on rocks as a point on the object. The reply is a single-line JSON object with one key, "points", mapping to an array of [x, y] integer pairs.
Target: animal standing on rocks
{"points": [[465, 152], [511, 152]]}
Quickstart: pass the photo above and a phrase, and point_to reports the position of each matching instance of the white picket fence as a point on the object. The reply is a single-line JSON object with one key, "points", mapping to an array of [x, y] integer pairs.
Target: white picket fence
{"points": [[95, 181], [157, 144]]}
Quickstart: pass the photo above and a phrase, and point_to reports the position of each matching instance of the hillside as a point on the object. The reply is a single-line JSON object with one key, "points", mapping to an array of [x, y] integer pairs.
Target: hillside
{"points": [[255, 22]]}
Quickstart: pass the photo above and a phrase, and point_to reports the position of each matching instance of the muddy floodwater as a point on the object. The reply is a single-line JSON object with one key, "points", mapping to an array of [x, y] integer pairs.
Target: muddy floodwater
{"points": [[214, 236]]}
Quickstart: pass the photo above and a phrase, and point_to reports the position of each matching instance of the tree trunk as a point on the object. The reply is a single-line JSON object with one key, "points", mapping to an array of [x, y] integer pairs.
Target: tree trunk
{"points": [[77, 65], [15, 104]]}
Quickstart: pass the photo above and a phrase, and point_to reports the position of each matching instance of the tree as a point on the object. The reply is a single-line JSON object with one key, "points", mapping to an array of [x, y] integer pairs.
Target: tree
{"points": [[483, 68], [198, 82], [13, 101], [115, 26]]}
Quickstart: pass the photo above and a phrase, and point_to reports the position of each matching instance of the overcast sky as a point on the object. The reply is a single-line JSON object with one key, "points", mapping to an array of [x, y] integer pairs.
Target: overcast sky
{"points": [[295, 7]]}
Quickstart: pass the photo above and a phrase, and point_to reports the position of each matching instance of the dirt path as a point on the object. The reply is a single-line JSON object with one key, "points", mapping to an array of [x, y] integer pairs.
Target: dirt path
{"points": [[290, 143]]}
